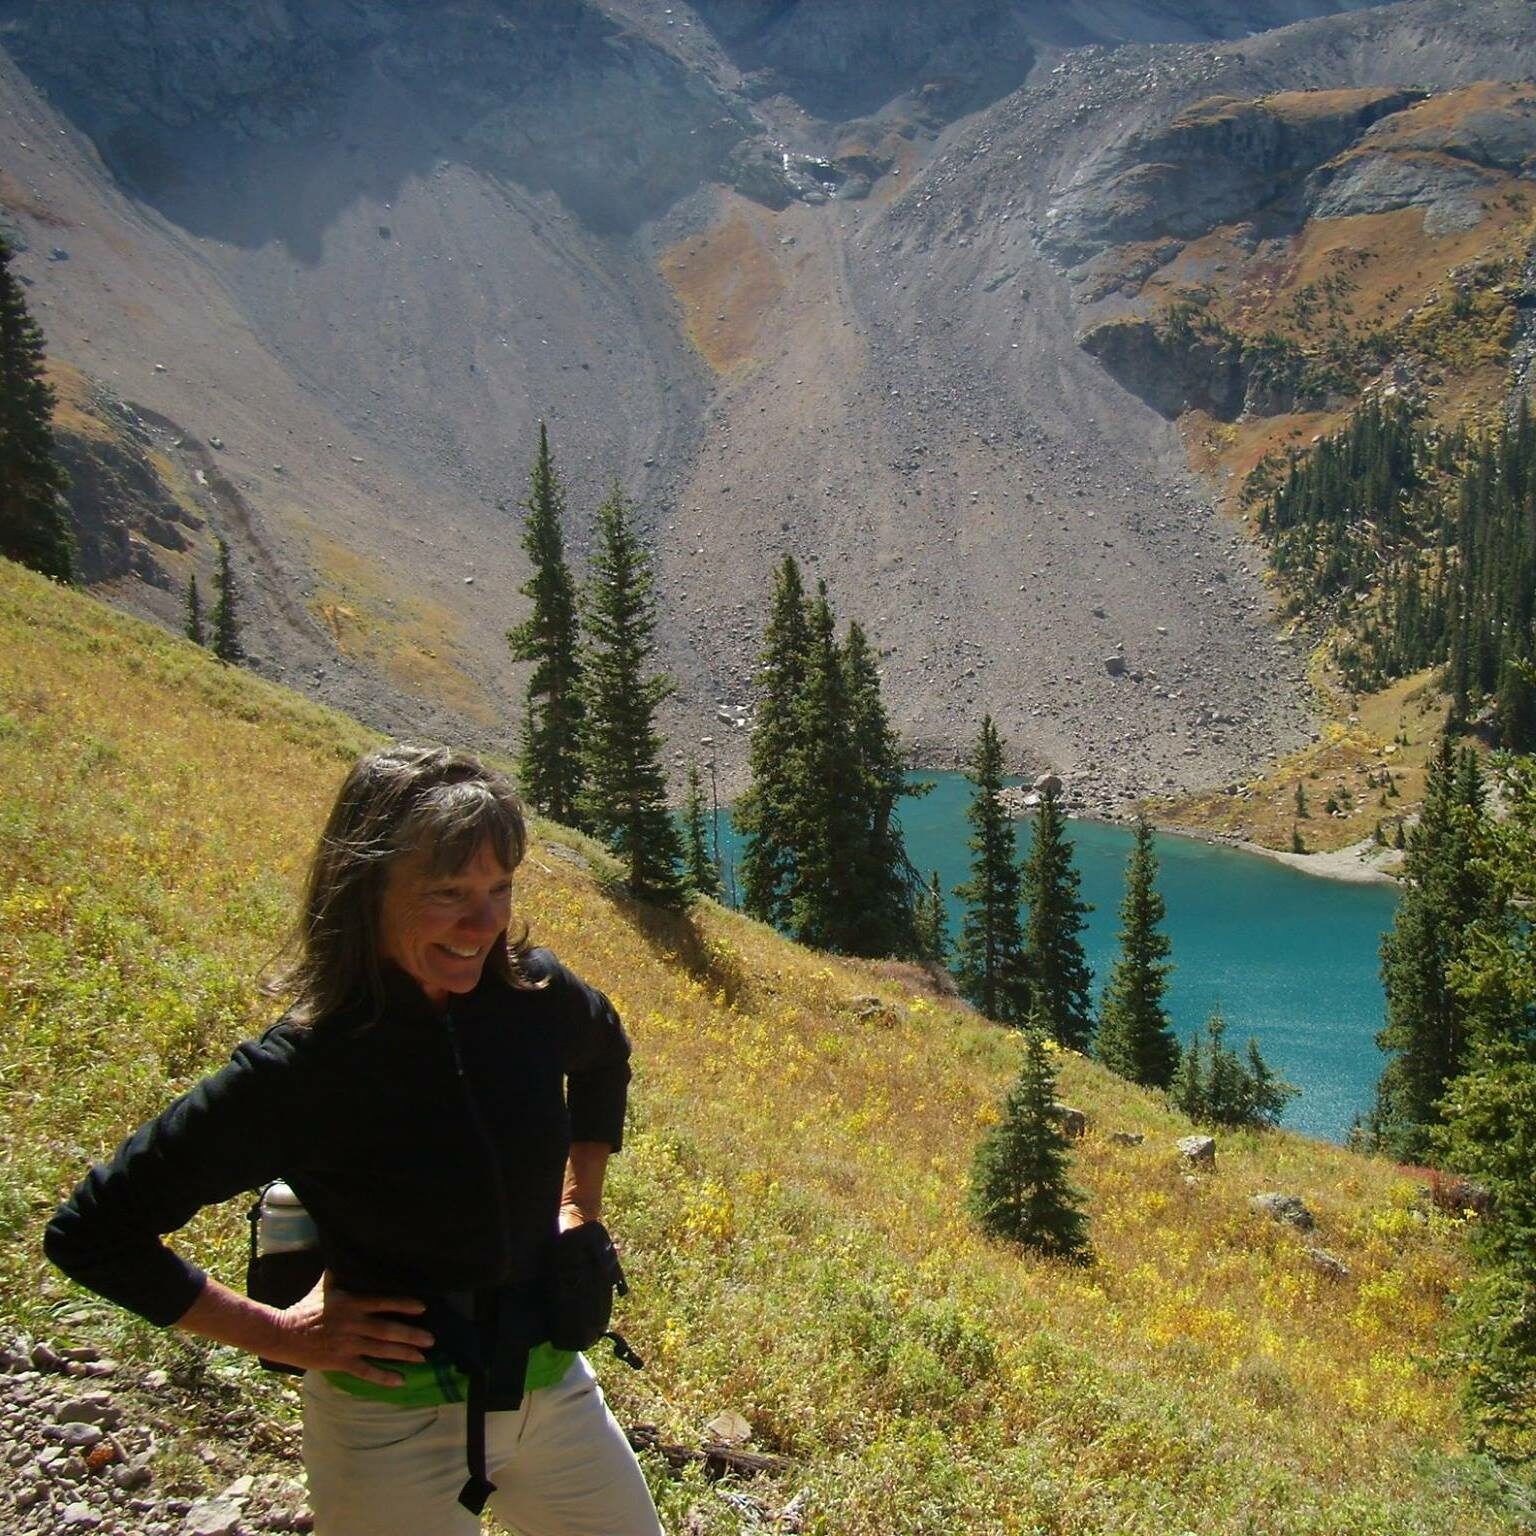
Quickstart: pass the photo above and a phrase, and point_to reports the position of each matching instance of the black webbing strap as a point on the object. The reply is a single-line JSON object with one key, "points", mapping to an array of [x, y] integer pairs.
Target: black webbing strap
{"points": [[624, 1350], [479, 1487]]}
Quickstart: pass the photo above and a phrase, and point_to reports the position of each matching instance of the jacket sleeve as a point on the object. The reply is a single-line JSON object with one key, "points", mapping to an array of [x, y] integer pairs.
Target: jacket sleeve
{"points": [[596, 1054], [222, 1137]]}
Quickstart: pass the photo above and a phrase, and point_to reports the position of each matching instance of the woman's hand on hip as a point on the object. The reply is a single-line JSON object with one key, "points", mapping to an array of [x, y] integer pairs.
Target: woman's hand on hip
{"points": [[336, 1330], [329, 1330]]}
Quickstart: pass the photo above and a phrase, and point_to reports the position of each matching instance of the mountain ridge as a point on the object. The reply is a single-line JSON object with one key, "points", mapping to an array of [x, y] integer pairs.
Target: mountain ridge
{"points": [[369, 309]]}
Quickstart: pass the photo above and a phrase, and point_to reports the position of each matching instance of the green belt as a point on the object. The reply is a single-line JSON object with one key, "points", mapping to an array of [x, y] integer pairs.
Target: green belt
{"points": [[429, 1382]]}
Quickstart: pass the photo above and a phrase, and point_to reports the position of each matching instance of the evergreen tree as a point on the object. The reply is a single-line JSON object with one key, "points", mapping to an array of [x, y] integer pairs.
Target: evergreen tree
{"points": [[699, 866], [762, 814], [1445, 892], [1059, 978], [1215, 1086], [195, 630], [932, 923], [823, 855], [1134, 1037], [227, 645], [989, 955], [624, 795], [1266, 1093], [1488, 1133], [880, 918], [1517, 704], [34, 522], [1019, 1189], [823, 820], [550, 762], [1187, 1090]]}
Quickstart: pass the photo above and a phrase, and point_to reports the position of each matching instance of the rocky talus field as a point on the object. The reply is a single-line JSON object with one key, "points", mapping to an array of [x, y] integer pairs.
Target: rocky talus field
{"points": [[885, 287]]}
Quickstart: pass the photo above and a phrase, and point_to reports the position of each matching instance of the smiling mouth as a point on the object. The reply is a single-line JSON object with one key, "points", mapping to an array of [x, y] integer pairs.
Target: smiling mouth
{"points": [[459, 954]]}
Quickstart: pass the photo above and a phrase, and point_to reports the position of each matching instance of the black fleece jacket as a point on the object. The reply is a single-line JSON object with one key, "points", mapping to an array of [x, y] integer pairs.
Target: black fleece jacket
{"points": [[430, 1148]]}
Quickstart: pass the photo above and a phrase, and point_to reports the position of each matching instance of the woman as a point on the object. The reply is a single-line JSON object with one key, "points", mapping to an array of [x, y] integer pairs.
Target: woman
{"points": [[444, 1100]]}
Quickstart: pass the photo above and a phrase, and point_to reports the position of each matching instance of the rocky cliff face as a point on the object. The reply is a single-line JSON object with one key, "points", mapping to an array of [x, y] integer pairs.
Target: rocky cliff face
{"points": [[807, 275], [560, 96], [1220, 159], [1239, 317]]}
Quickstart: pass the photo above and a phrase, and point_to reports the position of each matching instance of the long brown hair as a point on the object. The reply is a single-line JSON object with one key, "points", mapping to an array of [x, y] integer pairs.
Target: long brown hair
{"points": [[394, 801]]}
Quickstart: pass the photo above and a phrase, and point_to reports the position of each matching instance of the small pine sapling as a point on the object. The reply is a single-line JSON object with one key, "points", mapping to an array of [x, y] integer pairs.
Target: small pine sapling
{"points": [[1019, 1188]]}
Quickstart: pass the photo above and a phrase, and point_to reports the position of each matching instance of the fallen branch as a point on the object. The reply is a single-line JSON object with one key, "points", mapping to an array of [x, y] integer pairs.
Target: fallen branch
{"points": [[718, 1458]]}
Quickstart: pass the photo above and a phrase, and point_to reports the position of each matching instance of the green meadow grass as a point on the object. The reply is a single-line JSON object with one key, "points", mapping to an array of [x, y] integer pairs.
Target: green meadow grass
{"points": [[791, 1198]]}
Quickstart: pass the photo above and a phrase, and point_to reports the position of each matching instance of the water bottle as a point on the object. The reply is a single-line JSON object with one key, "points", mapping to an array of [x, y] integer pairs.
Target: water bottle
{"points": [[285, 1262], [282, 1223]]}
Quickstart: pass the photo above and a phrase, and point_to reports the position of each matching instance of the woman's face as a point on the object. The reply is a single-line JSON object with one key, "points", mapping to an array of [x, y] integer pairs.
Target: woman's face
{"points": [[439, 928]]}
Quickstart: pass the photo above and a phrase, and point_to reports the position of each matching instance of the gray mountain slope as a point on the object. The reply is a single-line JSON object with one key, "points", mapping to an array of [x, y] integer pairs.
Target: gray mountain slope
{"points": [[373, 243]]}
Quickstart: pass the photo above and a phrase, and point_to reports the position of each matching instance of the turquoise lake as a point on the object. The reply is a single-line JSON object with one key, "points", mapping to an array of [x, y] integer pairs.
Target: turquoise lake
{"points": [[1290, 958]]}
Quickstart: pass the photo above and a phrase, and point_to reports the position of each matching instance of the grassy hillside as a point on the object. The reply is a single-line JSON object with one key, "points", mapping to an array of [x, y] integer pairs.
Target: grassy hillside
{"points": [[791, 1197]]}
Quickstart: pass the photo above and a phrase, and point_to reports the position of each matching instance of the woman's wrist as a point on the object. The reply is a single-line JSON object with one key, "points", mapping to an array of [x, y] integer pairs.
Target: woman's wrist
{"points": [[226, 1317]]}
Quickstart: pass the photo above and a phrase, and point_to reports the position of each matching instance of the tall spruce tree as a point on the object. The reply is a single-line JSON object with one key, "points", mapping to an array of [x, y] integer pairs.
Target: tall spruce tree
{"points": [[227, 644], [194, 628], [762, 814], [1446, 891], [989, 954], [34, 522], [881, 919], [624, 795], [823, 821], [1059, 978], [1135, 1038], [1019, 1188], [550, 761], [699, 866], [823, 855]]}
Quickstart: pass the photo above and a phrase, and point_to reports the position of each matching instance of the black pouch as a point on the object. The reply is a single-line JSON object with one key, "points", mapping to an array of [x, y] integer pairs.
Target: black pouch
{"points": [[579, 1283]]}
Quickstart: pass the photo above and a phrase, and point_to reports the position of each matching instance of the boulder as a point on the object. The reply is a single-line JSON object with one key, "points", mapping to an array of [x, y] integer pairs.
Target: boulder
{"points": [[80, 1437], [90, 1408], [1290, 1209], [1198, 1151], [1127, 1138], [756, 170], [212, 1517], [871, 1010], [1330, 1264], [1073, 1122], [1047, 784]]}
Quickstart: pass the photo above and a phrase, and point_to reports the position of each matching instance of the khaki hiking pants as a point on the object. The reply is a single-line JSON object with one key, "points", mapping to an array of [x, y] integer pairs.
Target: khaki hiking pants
{"points": [[560, 1462]]}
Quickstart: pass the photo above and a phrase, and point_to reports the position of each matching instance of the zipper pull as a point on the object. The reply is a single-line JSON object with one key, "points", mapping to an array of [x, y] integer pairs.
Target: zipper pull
{"points": [[453, 1043]]}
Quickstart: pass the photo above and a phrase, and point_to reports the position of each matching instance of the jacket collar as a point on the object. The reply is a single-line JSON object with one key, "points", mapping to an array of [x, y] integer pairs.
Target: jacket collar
{"points": [[404, 1000]]}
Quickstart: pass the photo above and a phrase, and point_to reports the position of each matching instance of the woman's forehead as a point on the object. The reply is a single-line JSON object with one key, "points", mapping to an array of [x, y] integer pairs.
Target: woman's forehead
{"points": [[433, 861]]}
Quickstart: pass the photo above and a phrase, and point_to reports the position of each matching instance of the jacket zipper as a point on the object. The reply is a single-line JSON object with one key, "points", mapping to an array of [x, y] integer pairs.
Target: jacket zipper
{"points": [[487, 1145]]}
